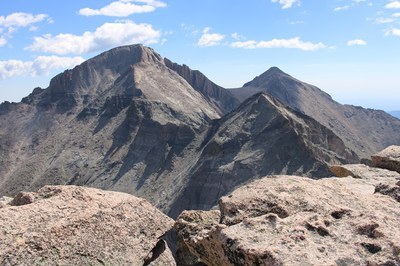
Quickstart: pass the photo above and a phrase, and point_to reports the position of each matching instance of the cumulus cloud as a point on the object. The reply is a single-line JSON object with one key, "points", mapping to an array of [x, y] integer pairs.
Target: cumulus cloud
{"points": [[393, 5], [104, 37], [394, 32], [123, 8], [356, 42], [294, 43], [210, 39], [287, 3], [20, 20], [42, 65], [396, 15], [11, 23]]}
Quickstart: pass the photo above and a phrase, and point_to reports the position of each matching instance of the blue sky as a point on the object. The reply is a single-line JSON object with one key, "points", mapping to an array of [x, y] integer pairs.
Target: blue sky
{"points": [[349, 48]]}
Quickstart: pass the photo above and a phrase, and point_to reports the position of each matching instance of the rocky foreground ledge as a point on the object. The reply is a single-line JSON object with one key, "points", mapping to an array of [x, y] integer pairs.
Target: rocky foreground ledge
{"points": [[291, 220], [351, 219], [69, 225]]}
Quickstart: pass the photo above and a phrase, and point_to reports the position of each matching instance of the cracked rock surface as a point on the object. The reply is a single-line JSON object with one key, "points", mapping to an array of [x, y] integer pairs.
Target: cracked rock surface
{"points": [[290, 220], [69, 225]]}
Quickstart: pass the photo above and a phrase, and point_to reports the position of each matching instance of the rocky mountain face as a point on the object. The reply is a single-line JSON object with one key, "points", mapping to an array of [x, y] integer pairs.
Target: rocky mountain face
{"points": [[129, 120], [291, 220], [365, 131], [219, 97], [262, 136], [68, 225]]}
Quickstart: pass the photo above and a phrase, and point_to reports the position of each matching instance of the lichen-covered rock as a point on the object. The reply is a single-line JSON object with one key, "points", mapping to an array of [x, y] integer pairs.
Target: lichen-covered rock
{"points": [[289, 220], [389, 158], [69, 225]]}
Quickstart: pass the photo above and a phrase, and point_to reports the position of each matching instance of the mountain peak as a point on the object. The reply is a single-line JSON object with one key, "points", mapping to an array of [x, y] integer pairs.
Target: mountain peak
{"points": [[132, 54], [273, 72]]}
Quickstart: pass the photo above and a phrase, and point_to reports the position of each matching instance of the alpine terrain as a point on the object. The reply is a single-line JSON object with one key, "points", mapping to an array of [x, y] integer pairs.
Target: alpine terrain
{"points": [[132, 121]]}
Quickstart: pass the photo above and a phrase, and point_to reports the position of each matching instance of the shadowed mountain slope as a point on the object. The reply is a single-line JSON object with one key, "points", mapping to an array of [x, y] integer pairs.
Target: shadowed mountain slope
{"points": [[261, 136], [365, 131]]}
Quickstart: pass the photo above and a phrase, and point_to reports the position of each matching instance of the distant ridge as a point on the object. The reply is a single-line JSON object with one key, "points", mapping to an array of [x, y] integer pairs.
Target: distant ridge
{"points": [[363, 130]]}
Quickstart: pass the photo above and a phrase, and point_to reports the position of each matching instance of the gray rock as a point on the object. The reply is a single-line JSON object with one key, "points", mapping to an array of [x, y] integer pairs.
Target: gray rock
{"points": [[259, 138], [289, 220], [23, 198], [365, 131], [223, 99], [389, 158], [68, 225]]}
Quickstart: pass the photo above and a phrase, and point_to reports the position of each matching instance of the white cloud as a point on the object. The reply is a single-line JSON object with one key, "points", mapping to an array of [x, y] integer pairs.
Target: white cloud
{"points": [[393, 5], [42, 65], [294, 43], [210, 39], [384, 20], [394, 32], [287, 3], [11, 23], [396, 15], [238, 37], [341, 8], [20, 20], [105, 37], [123, 8], [356, 42]]}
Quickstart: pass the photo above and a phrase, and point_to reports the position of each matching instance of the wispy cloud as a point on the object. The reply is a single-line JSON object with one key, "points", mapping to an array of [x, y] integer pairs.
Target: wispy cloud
{"points": [[393, 32], [238, 37], [210, 39], [384, 20], [105, 37], [293, 43], [123, 8], [351, 4], [356, 42], [287, 3], [42, 65], [341, 8], [393, 5]]}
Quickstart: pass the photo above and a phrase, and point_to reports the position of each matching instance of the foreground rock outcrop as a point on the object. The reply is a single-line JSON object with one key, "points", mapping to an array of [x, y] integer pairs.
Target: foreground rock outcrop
{"points": [[389, 158], [382, 180], [290, 220], [68, 225]]}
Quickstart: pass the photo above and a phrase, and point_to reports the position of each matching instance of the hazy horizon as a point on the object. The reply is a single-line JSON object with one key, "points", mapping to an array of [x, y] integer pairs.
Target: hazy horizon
{"points": [[348, 48]]}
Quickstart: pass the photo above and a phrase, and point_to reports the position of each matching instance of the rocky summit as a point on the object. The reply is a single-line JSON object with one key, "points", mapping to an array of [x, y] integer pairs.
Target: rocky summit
{"points": [[68, 225], [291, 220], [132, 121]]}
